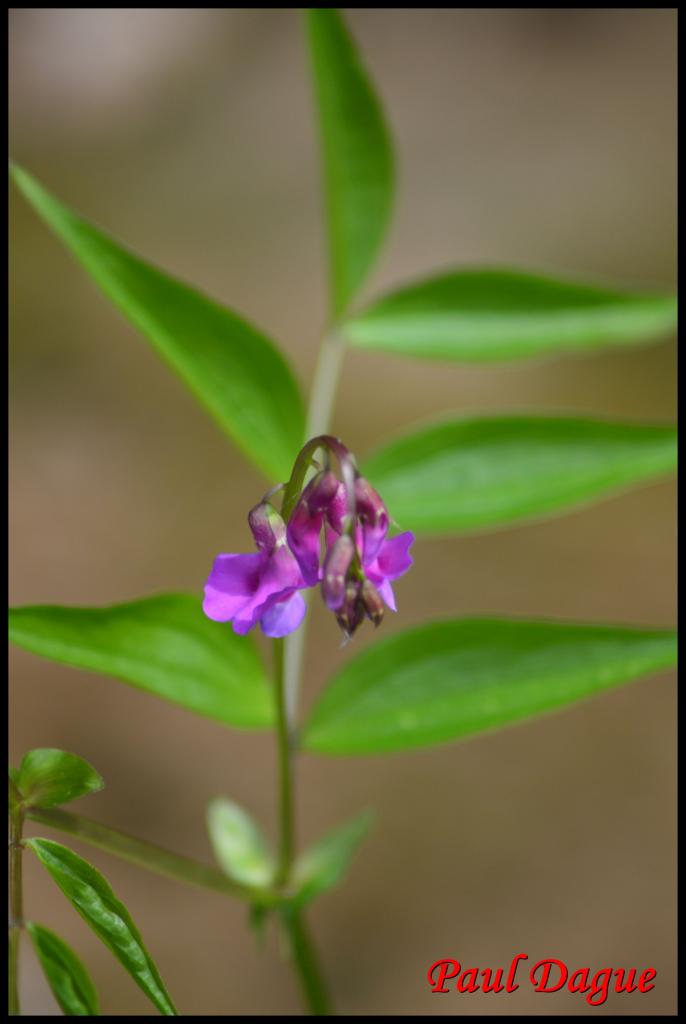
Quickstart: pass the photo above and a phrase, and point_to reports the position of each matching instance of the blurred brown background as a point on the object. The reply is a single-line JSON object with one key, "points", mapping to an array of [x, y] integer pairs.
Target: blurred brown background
{"points": [[539, 138]]}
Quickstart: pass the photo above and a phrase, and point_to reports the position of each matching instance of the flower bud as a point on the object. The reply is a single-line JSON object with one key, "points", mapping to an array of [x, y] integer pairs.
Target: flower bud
{"points": [[336, 566], [320, 492], [373, 515], [372, 603], [268, 528], [338, 509], [351, 613]]}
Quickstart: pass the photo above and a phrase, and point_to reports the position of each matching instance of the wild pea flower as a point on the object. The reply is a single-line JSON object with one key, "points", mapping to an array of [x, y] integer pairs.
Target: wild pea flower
{"points": [[262, 587], [359, 563]]}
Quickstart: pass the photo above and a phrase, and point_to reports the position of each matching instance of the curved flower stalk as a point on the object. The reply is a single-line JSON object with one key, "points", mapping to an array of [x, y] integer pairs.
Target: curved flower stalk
{"points": [[331, 532]]}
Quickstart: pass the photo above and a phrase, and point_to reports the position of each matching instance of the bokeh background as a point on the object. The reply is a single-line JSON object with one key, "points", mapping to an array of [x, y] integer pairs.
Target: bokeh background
{"points": [[539, 138]]}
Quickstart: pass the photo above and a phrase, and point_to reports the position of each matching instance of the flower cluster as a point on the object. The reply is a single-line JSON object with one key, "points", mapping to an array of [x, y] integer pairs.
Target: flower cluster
{"points": [[335, 536]]}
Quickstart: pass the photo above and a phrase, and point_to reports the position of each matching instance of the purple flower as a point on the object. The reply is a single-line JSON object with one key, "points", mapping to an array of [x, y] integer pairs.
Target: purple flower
{"points": [[261, 587], [355, 562], [393, 560]]}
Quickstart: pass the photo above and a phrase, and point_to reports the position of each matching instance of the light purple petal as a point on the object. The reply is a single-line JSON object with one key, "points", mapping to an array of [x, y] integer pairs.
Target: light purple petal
{"points": [[284, 616], [280, 574], [231, 584], [394, 558], [373, 539], [386, 591]]}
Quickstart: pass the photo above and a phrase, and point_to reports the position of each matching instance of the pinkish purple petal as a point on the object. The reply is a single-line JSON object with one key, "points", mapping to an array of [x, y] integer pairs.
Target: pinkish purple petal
{"points": [[373, 539], [280, 575], [231, 584], [284, 616], [394, 558]]}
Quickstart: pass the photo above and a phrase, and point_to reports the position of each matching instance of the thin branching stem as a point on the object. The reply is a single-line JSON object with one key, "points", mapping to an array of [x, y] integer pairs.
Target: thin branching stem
{"points": [[16, 907], [290, 661], [148, 855], [286, 825]]}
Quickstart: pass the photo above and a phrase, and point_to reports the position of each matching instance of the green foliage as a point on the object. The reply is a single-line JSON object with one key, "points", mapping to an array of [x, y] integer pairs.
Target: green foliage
{"points": [[468, 474], [164, 645], [357, 155], [90, 894], [484, 315], [239, 846], [48, 777], [451, 679], [325, 864], [67, 977], [432, 684], [233, 369]]}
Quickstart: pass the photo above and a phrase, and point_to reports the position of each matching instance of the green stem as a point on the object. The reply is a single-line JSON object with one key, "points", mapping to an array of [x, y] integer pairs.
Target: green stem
{"points": [[322, 396], [283, 739], [290, 661], [16, 908], [325, 384], [304, 956], [147, 855]]}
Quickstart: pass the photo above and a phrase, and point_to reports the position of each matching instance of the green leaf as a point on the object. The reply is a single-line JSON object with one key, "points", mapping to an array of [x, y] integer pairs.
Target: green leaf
{"points": [[239, 846], [451, 679], [481, 315], [48, 777], [91, 895], [67, 977], [326, 863], [233, 369], [164, 645], [357, 154], [468, 474]]}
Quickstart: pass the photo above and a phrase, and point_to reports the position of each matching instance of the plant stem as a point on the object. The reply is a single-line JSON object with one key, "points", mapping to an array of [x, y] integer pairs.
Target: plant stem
{"points": [[324, 385], [288, 666], [309, 973], [285, 772], [322, 396], [302, 950], [147, 855], [16, 907]]}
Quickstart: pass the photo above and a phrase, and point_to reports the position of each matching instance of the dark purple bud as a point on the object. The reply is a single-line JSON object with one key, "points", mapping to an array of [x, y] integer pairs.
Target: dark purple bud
{"points": [[373, 515], [305, 524], [268, 528], [339, 509], [335, 573], [303, 540], [320, 492], [351, 613], [372, 603]]}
